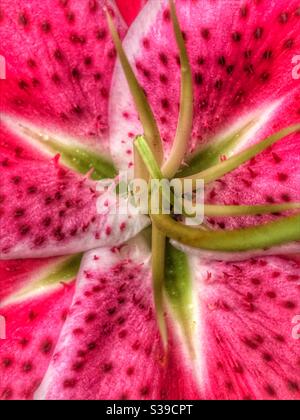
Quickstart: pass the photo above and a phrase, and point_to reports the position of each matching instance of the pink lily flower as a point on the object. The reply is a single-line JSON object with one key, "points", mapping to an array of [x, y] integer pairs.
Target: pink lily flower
{"points": [[75, 280]]}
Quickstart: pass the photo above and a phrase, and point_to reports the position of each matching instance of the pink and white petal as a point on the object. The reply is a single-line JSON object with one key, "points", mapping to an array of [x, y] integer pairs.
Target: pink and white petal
{"points": [[59, 62], [47, 210], [129, 10], [15, 146], [244, 334], [110, 346], [248, 332], [35, 299], [241, 56], [15, 274]]}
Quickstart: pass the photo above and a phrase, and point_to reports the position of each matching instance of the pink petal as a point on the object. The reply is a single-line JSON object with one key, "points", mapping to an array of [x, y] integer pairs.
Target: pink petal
{"points": [[33, 323], [241, 55], [249, 329], [130, 10], [47, 210], [59, 62], [110, 346], [245, 333]]}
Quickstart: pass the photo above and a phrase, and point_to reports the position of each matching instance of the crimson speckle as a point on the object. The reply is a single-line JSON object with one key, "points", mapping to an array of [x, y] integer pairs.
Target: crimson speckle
{"points": [[289, 43], [27, 367], [24, 230], [284, 17], [237, 36], [23, 20], [70, 383], [205, 32], [270, 391], [46, 27], [282, 177], [107, 367], [258, 33], [19, 212], [167, 15], [58, 55], [101, 34], [91, 317], [145, 391], [289, 305], [7, 362], [293, 386], [46, 346]]}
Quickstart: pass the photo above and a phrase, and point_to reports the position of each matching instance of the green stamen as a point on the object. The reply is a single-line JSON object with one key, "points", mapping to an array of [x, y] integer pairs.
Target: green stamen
{"points": [[178, 151], [218, 171], [148, 157], [264, 236], [210, 154], [158, 279], [209, 210], [222, 211], [153, 137], [185, 121], [258, 237], [144, 110], [172, 165], [152, 134]]}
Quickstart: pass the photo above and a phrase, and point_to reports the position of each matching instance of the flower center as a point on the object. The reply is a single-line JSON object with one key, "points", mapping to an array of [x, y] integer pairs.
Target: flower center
{"points": [[149, 162]]}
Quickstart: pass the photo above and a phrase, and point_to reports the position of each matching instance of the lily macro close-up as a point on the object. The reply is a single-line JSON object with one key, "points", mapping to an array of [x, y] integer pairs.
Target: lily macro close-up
{"points": [[97, 304]]}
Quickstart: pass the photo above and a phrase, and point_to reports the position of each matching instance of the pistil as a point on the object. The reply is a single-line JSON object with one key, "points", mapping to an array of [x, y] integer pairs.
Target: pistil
{"points": [[152, 135]]}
